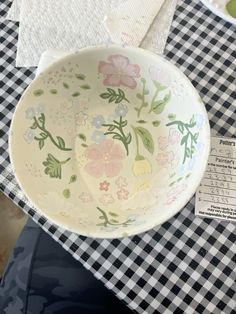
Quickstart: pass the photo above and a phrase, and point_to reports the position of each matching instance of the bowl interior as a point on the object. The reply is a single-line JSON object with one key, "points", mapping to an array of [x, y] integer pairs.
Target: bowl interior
{"points": [[110, 141]]}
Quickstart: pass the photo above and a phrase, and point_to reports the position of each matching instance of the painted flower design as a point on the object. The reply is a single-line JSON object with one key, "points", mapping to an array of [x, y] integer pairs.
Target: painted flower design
{"points": [[123, 194], [81, 118], [106, 199], [162, 142], [105, 158], [173, 194], [121, 182], [166, 158], [86, 197], [141, 166], [65, 106], [98, 136], [119, 71], [29, 136], [199, 119], [159, 75], [121, 110], [104, 186], [174, 136], [30, 113], [98, 121]]}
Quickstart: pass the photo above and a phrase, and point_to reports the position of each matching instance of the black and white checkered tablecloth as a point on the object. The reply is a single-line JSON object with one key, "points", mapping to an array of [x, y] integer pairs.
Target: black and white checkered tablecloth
{"points": [[187, 265]]}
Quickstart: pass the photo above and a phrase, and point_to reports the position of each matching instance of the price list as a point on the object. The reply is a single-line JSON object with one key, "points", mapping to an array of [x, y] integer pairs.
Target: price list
{"points": [[216, 195]]}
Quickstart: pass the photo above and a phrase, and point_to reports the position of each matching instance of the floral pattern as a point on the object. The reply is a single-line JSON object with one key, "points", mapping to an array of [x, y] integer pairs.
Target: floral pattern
{"points": [[121, 110], [105, 158], [119, 71], [86, 197], [81, 118], [104, 186], [173, 194], [123, 194], [98, 121], [121, 182], [107, 199]]}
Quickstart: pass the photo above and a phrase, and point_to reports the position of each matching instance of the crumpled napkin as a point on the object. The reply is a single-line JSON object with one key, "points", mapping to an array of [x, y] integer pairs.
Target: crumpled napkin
{"points": [[72, 24]]}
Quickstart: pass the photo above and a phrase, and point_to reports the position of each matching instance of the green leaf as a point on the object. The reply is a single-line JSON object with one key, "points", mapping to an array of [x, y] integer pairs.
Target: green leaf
{"points": [[85, 87], [52, 167], [171, 116], [146, 137], [172, 183], [112, 98], [84, 145], [159, 105], [53, 91], [73, 178], [101, 224], [184, 140], [111, 91], [41, 144], [80, 76], [105, 95], [76, 94], [82, 137], [114, 221], [159, 86], [195, 137], [42, 118], [34, 126], [66, 193], [117, 137], [141, 121], [124, 123], [181, 128], [156, 123], [179, 179], [38, 92], [43, 135], [111, 128], [119, 99], [139, 96], [113, 214], [188, 152], [121, 92], [61, 142], [66, 85], [128, 138]]}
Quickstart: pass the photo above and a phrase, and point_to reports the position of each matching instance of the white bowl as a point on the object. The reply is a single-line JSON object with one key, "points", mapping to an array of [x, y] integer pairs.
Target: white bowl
{"points": [[110, 142]]}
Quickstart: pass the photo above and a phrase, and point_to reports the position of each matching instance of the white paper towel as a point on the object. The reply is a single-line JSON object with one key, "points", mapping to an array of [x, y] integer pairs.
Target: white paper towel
{"points": [[14, 13], [129, 22], [71, 24]]}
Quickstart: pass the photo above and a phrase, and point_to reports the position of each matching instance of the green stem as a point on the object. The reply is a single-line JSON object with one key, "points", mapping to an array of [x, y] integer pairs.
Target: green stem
{"points": [[124, 137], [107, 222], [153, 99], [42, 128], [143, 100]]}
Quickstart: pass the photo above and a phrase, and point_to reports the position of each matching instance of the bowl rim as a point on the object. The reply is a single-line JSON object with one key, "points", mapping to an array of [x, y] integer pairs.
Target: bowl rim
{"points": [[135, 230]]}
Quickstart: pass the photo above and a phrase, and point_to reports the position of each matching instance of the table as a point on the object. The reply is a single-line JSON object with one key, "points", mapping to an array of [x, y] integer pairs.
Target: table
{"points": [[186, 265]]}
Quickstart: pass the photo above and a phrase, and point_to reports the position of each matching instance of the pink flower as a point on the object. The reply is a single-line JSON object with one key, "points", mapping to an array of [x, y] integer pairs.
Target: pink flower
{"points": [[106, 199], [122, 194], [174, 136], [119, 71], [160, 75], [85, 197], [105, 159], [121, 182], [104, 186], [162, 143], [163, 159]]}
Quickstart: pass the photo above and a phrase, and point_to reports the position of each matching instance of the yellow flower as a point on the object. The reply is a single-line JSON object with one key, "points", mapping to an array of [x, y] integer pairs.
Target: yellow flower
{"points": [[141, 166]]}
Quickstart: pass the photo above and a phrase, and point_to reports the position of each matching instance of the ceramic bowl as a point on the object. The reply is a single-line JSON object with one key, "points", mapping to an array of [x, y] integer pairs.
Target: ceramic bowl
{"points": [[110, 142]]}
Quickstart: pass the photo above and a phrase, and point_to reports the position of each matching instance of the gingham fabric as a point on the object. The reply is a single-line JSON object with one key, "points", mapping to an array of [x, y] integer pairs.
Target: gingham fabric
{"points": [[187, 265]]}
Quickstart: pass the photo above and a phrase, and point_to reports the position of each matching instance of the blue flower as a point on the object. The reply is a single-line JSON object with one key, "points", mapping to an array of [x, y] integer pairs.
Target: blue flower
{"points": [[199, 119], [121, 110], [30, 113], [98, 121], [29, 136], [98, 137], [200, 147]]}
